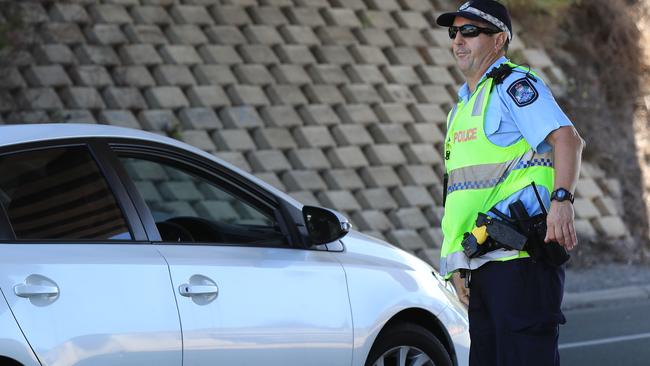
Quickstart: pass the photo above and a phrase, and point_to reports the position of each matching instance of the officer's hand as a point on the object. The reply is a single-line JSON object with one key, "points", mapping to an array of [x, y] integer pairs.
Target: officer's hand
{"points": [[560, 225], [461, 291]]}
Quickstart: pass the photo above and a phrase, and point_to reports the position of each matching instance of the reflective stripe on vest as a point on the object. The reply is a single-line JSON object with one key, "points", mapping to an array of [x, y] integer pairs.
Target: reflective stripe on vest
{"points": [[457, 260], [481, 174], [489, 175]]}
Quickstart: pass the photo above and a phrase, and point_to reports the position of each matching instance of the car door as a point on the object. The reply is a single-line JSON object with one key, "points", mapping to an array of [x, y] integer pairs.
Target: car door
{"points": [[244, 295], [80, 277]]}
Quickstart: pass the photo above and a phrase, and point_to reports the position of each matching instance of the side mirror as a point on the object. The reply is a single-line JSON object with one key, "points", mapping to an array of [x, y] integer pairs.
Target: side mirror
{"points": [[324, 225]]}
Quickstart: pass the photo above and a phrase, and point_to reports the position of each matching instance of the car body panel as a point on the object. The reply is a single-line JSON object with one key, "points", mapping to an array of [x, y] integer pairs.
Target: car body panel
{"points": [[384, 280], [457, 326], [275, 306], [115, 304]]}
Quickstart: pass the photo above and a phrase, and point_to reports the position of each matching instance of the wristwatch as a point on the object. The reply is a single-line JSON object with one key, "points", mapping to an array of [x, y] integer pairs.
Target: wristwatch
{"points": [[561, 194]]}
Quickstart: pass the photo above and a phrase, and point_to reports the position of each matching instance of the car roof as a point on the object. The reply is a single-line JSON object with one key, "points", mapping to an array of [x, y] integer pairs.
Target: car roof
{"points": [[26, 133], [18, 134]]}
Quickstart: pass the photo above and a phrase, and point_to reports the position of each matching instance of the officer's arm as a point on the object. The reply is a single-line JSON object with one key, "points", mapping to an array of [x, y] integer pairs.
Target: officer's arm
{"points": [[461, 291], [567, 155]]}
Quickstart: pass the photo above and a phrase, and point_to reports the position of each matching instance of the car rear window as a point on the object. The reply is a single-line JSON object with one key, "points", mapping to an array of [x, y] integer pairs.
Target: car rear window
{"points": [[58, 194]]}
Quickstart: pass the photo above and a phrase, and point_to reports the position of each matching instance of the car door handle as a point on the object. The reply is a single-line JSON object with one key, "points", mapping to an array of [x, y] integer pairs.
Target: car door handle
{"points": [[25, 290], [197, 290]]}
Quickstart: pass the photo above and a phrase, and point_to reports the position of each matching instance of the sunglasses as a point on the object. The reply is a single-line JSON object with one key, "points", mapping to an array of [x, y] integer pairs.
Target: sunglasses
{"points": [[470, 31]]}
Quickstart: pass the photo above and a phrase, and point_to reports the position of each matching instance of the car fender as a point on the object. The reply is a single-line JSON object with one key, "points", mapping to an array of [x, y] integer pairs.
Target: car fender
{"points": [[383, 281]]}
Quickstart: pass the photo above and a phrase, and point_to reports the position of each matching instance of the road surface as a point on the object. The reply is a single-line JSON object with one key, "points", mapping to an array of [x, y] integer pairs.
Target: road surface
{"points": [[609, 334]]}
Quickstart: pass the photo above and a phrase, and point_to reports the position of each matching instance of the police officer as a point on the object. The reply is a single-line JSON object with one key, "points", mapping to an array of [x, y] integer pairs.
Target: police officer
{"points": [[506, 132]]}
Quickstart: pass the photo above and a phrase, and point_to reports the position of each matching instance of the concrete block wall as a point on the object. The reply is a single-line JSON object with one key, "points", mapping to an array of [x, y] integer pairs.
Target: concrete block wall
{"points": [[339, 103]]}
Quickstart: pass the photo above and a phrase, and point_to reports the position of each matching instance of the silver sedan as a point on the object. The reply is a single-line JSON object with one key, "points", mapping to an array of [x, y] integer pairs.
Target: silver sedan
{"points": [[121, 247]]}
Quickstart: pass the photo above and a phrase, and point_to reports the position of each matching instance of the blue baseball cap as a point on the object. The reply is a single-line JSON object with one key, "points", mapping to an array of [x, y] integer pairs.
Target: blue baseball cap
{"points": [[489, 11]]}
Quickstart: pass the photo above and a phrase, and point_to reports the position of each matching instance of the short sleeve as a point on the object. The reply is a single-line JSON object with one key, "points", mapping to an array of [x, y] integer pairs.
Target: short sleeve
{"points": [[532, 108]]}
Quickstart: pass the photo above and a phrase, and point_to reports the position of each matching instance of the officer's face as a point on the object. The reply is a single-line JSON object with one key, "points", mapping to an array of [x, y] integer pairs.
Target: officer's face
{"points": [[474, 54]]}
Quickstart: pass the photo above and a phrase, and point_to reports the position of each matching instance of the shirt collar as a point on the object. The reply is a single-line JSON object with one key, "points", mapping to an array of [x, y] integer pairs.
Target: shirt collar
{"points": [[464, 94]]}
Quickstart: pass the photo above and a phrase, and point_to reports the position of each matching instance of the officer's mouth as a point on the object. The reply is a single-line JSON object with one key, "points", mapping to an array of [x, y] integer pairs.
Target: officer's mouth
{"points": [[461, 54]]}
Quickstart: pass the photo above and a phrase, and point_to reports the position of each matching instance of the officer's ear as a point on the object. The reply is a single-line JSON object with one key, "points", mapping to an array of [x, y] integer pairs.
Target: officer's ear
{"points": [[500, 41]]}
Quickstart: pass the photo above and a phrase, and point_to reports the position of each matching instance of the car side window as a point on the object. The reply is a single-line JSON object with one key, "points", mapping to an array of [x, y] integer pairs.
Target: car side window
{"points": [[190, 208], [59, 194]]}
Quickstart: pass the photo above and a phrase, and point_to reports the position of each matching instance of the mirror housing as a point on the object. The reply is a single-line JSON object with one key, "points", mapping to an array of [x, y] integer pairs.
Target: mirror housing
{"points": [[324, 225]]}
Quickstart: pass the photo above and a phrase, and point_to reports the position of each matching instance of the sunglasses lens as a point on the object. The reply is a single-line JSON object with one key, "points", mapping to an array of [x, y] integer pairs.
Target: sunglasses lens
{"points": [[469, 31]]}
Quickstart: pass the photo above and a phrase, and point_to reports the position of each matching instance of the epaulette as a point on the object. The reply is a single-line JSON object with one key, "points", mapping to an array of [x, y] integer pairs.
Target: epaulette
{"points": [[499, 74]]}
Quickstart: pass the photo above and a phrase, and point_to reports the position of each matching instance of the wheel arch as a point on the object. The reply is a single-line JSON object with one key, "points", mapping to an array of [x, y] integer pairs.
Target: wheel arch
{"points": [[429, 321]]}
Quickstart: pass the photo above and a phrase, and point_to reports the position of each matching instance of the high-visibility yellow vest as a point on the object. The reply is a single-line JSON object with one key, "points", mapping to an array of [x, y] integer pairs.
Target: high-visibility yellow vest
{"points": [[481, 174]]}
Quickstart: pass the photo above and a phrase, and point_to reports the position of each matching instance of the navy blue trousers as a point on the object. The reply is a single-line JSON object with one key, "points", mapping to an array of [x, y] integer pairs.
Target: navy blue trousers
{"points": [[514, 313]]}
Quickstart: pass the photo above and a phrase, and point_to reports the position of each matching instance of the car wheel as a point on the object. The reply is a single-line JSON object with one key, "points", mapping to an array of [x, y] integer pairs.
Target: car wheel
{"points": [[407, 345]]}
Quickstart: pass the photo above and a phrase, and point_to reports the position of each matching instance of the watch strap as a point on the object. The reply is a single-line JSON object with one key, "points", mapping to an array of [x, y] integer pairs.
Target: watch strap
{"points": [[562, 194]]}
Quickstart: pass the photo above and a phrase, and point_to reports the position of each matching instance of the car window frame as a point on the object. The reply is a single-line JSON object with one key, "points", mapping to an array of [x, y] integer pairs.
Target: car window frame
{"points": [[210, 170], [97, 150]]}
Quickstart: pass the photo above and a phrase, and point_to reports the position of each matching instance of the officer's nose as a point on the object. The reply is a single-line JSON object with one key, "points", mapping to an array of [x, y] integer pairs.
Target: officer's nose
{"points": [[459, 39]]}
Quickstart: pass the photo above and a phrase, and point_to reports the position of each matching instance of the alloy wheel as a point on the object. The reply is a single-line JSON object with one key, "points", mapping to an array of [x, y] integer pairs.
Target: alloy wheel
{"points": [[404, 356]]}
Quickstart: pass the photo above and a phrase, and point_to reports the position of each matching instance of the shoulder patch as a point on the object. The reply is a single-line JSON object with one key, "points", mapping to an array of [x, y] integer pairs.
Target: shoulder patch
{"points": [[523, 92]]}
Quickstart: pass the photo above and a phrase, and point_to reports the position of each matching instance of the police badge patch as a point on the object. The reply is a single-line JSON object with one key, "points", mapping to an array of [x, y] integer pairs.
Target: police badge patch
{"points": [[523, 92]]}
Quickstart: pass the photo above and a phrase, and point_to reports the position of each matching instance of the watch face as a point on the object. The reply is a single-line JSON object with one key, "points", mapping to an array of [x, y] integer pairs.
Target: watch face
{"points": [[561, 194]]}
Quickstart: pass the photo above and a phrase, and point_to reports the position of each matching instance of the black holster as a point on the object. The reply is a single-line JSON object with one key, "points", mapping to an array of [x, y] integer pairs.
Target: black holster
{"points": [[501, 234], [535, 230]]}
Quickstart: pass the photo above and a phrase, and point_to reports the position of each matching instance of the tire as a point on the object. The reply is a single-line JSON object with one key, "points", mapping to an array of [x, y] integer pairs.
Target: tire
{"points": [[414, 344]]}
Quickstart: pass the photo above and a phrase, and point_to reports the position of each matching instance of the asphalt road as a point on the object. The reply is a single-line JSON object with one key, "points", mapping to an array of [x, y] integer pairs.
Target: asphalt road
{"points": [[610, 334]]}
